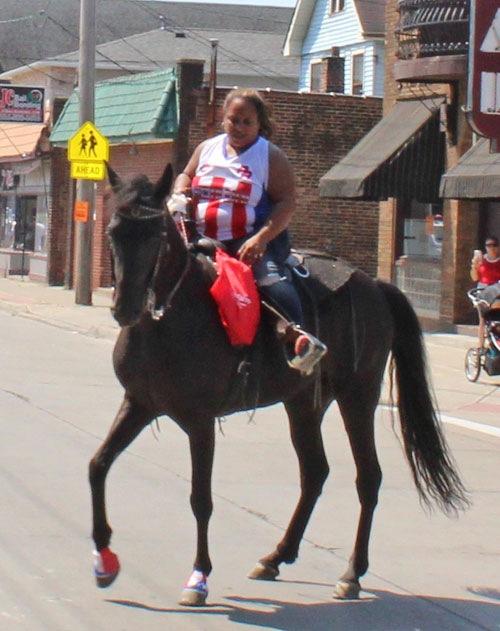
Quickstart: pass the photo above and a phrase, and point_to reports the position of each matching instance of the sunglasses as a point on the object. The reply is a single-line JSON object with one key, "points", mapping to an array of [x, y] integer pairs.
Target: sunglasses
{"points": [[491, 245]]}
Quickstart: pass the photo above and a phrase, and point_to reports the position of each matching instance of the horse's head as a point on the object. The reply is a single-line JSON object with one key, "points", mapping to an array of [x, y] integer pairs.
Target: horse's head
{"points": [[135, 232]]}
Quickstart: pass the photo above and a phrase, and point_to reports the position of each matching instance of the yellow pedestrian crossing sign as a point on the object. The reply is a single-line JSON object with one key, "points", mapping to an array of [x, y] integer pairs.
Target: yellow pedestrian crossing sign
{"points": [[88, 144], [88, 149]]}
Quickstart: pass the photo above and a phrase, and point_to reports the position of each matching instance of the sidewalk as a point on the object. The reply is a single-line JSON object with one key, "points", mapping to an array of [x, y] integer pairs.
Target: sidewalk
{"points": [[56, 306], [458, 398]]}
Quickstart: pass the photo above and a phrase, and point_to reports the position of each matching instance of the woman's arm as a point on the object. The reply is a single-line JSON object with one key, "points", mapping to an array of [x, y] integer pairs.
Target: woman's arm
{"points": [[474, 269], [281, 190], [183, 181]]}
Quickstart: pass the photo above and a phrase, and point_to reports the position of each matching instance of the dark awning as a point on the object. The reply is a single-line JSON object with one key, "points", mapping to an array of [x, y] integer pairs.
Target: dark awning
{"points": [[476, 175], [402, 156]]}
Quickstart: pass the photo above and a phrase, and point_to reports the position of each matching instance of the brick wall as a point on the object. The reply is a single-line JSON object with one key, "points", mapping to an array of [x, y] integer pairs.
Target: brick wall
{"points": [[59, 207]]}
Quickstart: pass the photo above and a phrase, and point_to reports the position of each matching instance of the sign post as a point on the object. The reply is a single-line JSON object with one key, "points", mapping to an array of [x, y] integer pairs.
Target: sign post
{"points": [[85, 188], [483, 95]]}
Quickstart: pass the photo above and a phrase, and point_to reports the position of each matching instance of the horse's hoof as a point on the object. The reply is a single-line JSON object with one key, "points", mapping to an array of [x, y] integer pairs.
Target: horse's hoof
{"points": [[106, 567], [195, 591], [347, 590], [264, 572]]}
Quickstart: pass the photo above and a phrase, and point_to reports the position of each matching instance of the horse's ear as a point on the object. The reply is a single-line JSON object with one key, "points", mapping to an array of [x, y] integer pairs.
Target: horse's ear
{"points": [[114, 178], [162, 187]]}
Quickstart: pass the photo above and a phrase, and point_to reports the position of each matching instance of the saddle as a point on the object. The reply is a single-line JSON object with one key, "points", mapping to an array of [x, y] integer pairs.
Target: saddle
{"points": [[305, 268]]}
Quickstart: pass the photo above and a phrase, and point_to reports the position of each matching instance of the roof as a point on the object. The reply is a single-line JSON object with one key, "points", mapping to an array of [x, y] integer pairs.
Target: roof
{"points": [[401, 156], [476, 175], [44, 29], [371, 15], [127, 109], [19, 141], [240, 54]]}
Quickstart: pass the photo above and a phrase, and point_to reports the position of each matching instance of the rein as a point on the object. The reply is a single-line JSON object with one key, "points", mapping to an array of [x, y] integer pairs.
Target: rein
{"points": [[147, 213]]}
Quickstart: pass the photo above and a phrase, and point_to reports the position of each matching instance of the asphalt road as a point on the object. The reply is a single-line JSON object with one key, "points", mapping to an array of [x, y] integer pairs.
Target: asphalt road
{"points": [[58, 396]]}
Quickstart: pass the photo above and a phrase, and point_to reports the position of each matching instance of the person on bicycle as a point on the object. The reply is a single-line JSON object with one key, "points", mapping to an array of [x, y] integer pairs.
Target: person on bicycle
{"points": [[485, 270]]}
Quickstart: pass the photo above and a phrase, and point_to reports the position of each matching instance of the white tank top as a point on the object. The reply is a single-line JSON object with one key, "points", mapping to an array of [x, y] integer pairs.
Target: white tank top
{"points": [[229, 193]]}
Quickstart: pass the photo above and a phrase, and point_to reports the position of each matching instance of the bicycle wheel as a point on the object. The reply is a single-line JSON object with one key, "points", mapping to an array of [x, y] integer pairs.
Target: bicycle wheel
{"points": [[473, 364]]}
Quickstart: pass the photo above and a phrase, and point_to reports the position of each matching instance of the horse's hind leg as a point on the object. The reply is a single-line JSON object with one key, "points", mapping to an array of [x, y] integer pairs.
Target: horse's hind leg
{"points": [[358, 410], [305, 428], [129, 422]]}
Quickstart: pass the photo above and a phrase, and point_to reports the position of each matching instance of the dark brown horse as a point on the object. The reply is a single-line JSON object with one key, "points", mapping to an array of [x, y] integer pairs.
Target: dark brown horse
{"points": [[173, 357]]}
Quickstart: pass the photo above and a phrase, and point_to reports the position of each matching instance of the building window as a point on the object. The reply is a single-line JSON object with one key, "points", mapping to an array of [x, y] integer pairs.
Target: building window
{"points": [[336, 6], [357, 73], [316, 70]]}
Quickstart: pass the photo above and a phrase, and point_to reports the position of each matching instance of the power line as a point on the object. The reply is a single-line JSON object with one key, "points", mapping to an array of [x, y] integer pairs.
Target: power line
{"points": [[97, 50], [229, 54], [28, 65], [141, 4], [226, 52], [10, 140], [127, 43]]}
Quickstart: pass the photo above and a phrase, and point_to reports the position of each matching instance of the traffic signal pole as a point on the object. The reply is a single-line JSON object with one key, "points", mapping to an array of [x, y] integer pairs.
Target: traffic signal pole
{"points": [[85, 189]]}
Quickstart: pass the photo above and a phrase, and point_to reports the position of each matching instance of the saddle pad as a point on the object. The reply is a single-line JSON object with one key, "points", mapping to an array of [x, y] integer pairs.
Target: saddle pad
{"points": [[331, 272]]}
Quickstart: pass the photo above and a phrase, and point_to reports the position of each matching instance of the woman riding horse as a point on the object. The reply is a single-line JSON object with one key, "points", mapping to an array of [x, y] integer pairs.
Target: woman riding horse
{"points": [[243, 193], [173, 358]]}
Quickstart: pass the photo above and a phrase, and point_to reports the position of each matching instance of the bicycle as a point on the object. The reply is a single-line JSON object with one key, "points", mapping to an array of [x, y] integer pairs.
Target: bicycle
{"points": [[487, 356]]}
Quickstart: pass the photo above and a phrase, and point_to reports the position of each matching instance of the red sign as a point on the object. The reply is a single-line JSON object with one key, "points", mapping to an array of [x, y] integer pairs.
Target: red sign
{"points": [[483, 98], [81, 211]]}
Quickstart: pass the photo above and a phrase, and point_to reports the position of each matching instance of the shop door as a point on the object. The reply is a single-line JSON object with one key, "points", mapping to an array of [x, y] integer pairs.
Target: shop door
{"points": [[25, 223], [418, 268]]}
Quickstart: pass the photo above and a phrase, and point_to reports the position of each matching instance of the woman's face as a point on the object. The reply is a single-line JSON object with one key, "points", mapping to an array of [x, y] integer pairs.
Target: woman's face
{"points": [[491, 249], [241, 123]]}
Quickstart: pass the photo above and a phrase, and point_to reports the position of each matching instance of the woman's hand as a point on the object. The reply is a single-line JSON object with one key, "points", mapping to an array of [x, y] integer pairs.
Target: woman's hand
{"points": [[252, 251]]}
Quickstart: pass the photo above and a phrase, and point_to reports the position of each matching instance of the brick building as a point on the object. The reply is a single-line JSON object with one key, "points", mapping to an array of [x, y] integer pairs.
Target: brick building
{"points": [[437, 194], [314, 130]]}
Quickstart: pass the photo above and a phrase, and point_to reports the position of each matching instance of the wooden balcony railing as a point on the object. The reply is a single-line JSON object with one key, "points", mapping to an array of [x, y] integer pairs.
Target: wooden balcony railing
{"points": [[429, 28]]}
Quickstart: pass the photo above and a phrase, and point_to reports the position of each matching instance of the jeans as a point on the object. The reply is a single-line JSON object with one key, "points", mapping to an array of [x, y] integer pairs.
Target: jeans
{"points": [[271, 276]]}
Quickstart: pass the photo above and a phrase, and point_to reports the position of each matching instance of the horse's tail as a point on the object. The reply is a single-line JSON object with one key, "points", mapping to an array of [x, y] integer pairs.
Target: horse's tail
{"points": [[431, 464]]}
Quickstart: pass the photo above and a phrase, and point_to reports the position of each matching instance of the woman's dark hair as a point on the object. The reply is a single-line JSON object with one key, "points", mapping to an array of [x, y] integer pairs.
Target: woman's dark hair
{"points": [[493, 239], [266, 125]]}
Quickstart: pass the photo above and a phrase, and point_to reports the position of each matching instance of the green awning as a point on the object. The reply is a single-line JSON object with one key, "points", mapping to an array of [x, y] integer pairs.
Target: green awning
{"points": [[133, 108]]}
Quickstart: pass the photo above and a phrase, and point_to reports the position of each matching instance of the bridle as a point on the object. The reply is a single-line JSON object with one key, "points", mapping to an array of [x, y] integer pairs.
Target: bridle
{"points": [[140, 212]]}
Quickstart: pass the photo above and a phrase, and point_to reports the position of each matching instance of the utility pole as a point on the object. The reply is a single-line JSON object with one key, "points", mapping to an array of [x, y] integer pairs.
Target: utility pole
{"points": [[85, 188]]}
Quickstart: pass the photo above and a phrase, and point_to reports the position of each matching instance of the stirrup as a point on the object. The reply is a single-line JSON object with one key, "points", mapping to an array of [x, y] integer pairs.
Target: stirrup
{"points": [[308, 352]]}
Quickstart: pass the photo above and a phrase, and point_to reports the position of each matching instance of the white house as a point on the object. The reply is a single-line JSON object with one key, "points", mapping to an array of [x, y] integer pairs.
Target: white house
{"points": [[341, 45]]}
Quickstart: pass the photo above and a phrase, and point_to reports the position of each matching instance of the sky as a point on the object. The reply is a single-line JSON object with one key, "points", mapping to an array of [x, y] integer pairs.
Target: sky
{"points": [[263, 3]]}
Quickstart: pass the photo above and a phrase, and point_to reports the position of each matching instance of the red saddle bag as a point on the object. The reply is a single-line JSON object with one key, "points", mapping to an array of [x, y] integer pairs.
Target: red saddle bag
{"points": [[237, 298]]}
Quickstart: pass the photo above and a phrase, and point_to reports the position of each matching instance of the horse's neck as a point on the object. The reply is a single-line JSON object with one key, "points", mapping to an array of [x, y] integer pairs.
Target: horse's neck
{"points": [[173, 258]]}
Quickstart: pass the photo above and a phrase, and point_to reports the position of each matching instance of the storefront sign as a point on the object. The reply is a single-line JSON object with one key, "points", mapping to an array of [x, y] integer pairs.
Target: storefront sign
{"points": [[483, 97], [81, 211], [88, 150], [21, 104]]}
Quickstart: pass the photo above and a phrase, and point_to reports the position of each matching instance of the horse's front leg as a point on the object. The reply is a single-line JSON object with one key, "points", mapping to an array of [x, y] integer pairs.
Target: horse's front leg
{"points": [[305, 427], [202, 442], [129, 421]]}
